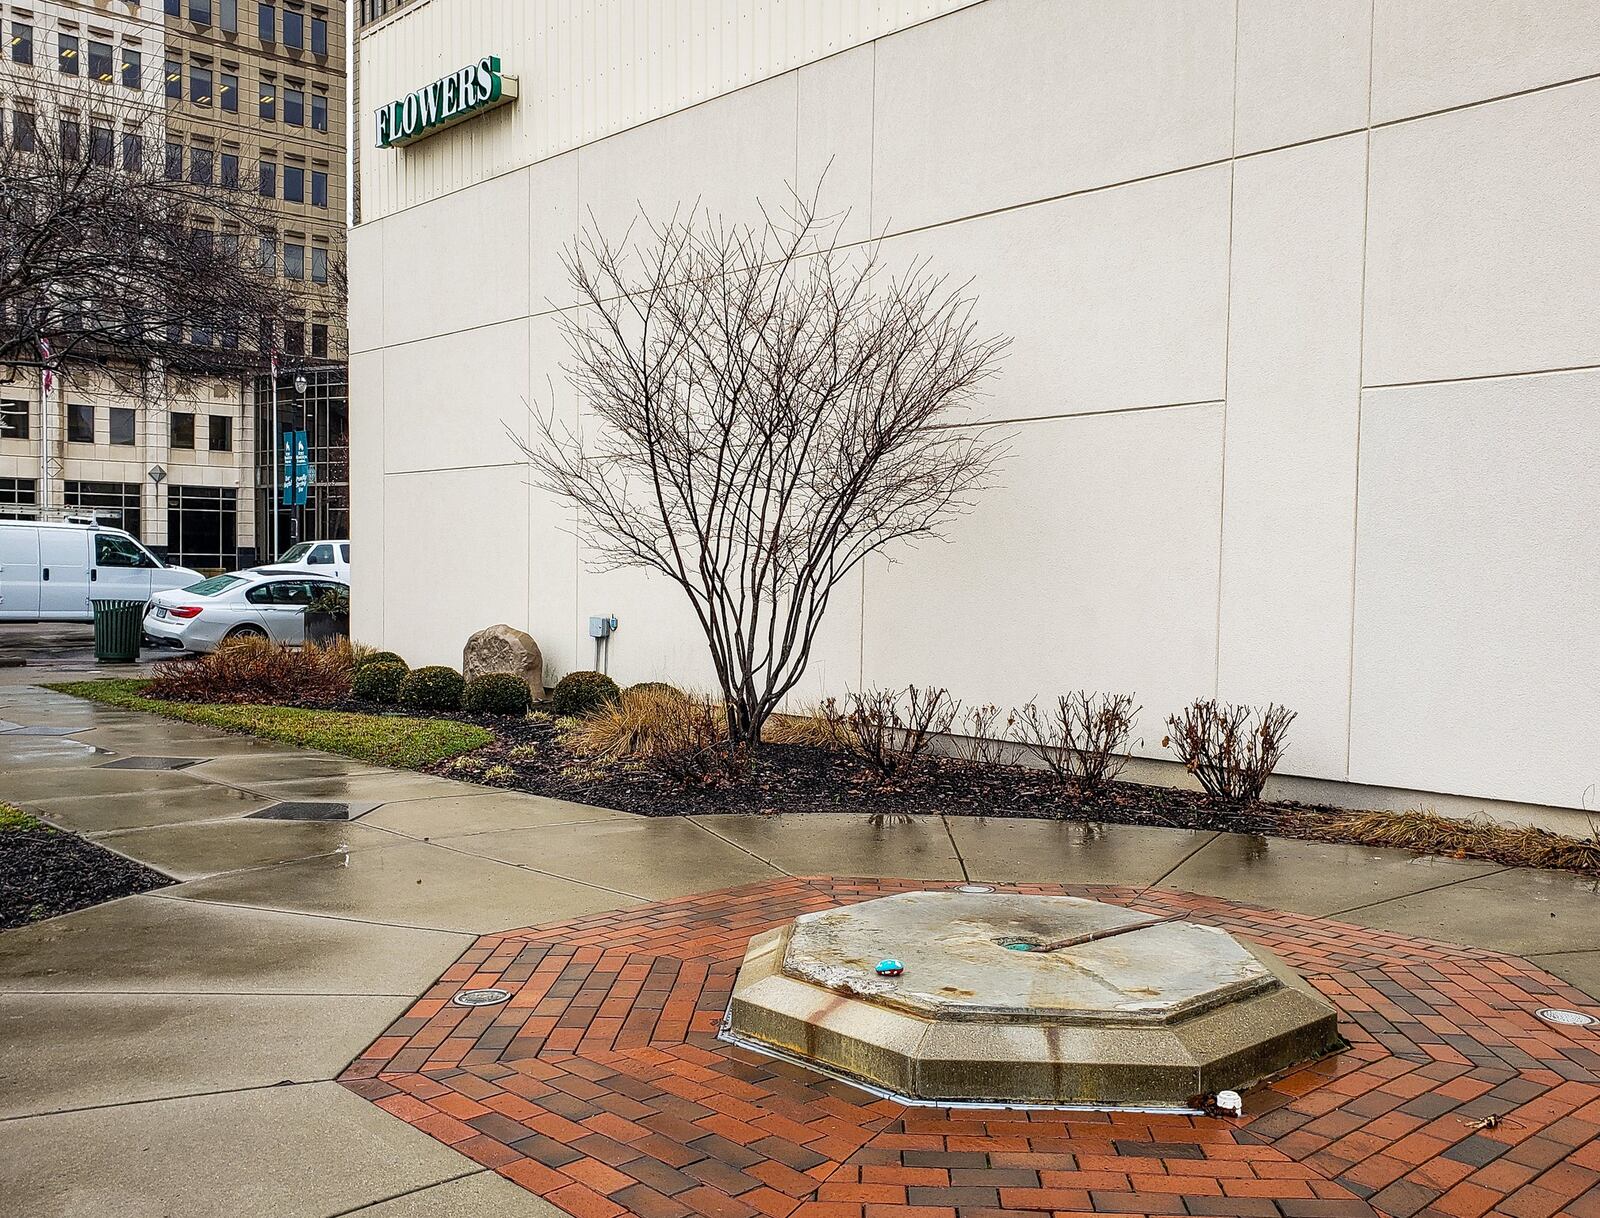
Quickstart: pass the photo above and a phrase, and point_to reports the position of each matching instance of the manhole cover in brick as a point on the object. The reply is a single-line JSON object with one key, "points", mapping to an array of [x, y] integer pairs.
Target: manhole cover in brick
{"points": [[153, 763], [480, 998], [1570, 1019], [313, 810]]}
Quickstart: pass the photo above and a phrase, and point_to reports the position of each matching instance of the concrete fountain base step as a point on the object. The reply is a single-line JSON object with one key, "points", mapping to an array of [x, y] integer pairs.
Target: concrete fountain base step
{"points": [[1017, 999]]}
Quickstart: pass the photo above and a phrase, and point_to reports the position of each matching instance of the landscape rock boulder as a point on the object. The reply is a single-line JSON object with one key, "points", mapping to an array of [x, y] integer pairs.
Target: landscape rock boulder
{"points": [[504, 648]]}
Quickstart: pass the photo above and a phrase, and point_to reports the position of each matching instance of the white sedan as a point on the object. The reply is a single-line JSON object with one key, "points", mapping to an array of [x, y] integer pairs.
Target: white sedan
{"points": [[267, 603]]}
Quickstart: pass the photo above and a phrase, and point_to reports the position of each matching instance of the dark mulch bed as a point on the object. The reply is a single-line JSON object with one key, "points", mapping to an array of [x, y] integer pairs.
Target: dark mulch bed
{"points": [[45, 872], [797, 778]]}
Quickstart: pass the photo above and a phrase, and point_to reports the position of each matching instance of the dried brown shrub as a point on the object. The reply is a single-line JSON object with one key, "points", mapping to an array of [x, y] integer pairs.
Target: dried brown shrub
{"points": [[1232, 749], [888, 729], [259, 671], [1083, 739], [686, 734]]}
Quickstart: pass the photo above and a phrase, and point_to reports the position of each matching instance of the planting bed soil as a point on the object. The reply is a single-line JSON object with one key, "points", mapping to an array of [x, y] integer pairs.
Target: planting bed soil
{"points": [[45, 872]]}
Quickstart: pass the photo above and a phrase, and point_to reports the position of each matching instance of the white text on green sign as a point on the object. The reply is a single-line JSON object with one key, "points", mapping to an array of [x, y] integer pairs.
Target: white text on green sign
{"points": [[463, 94]]}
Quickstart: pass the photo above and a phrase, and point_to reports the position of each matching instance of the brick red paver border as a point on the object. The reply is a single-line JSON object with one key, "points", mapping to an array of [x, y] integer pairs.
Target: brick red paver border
{"points": [[601, 1086]]}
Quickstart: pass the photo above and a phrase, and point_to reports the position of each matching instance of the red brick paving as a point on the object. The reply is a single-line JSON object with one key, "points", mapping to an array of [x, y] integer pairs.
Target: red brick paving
{"points": [[601, 1087]]}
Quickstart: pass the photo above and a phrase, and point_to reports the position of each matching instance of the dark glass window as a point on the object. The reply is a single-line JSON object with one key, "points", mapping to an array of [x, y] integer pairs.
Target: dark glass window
{"points": [[294, 336], [294, 28], [319, 264], [13, 420], [319, 112], [294, 107], [111, 550], [294, 184], [71, 139], [114, 503], [174, 78], [122, 425], [229, 88], [67, 53], [319, 35], [266, 23], [80, 423], [200, 12], [219, 433], [18, 493], [200, 336], [100, 62], [319, 188], [21, 42], [230, 170], [132, 68], [267, 340], [132, 149], [269, 99], [267, 256], [201, 165], [319, 338], [269, 180], [24, 131], [174, 164], [100, 145], [294, 260], [173, 8], [182, 433], [199, 85], [228, 15]]}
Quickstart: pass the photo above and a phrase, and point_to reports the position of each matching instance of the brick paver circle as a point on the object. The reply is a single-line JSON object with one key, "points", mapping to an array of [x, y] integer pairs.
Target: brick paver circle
{"points": [[601, 1086]]}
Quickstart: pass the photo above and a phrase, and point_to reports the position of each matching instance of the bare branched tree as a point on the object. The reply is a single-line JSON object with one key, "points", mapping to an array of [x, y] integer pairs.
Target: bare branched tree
{"points": [[773, 406], [111, 255]]}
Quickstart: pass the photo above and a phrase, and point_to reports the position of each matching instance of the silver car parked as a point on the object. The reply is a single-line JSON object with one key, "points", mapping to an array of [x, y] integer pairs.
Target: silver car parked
{"points": [[267, 603]]}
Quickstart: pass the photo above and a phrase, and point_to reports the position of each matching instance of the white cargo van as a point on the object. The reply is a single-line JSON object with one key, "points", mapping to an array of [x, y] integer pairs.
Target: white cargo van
{"points": [[49, 572]]}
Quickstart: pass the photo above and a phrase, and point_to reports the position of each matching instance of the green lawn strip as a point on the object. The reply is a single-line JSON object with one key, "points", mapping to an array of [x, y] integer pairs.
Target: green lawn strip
{"points": [[16, 818], [392, 740]]}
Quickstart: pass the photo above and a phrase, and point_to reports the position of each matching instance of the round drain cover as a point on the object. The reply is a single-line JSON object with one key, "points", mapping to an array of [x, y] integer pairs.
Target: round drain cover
{"points": [[480, 998], [1570, 1019], [975, 888]]}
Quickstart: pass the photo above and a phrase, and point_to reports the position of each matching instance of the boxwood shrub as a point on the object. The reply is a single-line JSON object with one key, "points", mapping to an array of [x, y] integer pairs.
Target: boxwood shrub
{"points": [[379, 682], [382, 657], [661, 687], [433, 687], [582, 693], [497, 693]]}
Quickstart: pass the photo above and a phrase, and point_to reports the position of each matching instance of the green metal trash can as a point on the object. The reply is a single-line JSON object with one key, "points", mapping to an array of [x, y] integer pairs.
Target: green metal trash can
{"points": [[118, 626]]}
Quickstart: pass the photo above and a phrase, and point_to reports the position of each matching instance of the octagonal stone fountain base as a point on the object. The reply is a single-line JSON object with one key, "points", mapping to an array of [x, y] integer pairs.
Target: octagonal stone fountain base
{"points": [[1018, 999]]}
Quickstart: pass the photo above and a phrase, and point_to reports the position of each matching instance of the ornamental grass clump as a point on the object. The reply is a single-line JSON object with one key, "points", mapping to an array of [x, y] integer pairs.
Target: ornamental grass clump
{"points": [[434, 687], [1231, 749], [379, 682], [256, 670], [582, 693], [684, 734], [497, 693]]}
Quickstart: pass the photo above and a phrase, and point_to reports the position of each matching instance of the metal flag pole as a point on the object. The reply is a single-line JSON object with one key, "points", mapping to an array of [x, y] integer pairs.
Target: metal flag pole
{"points": [[277, 461]]}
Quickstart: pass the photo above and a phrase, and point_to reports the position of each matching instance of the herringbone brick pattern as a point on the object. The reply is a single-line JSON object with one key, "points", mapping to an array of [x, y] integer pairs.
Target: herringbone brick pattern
{"points": [[602, 1087]]}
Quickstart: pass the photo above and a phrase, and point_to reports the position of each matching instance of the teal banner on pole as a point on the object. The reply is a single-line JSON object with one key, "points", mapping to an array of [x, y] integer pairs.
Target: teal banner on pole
{"points": [[286, 481], [296, 468]]}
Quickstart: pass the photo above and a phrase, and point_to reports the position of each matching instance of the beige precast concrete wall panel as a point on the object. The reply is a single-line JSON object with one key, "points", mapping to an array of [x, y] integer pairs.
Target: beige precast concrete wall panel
{"points": [[588, 69]]}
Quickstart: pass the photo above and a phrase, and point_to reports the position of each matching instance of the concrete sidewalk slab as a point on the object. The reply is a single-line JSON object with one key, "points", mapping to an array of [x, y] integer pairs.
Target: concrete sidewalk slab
{"points": [[387, 786], [843, 843], [114, 810], [1049, 851], [280, 1152], [195, 850], [654, 859], [413, 885], [280, 765], [153, 944], [128, 1048], [484, 1195], [89, 782], [483, 810]]}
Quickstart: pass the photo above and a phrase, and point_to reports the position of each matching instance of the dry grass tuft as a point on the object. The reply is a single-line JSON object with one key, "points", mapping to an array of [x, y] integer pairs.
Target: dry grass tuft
{"points": [[1430, 833], [685, 733], [806, 726]]}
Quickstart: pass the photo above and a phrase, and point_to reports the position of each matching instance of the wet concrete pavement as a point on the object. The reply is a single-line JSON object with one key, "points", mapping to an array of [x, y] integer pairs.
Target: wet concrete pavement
{"points": [[170, 1053]]}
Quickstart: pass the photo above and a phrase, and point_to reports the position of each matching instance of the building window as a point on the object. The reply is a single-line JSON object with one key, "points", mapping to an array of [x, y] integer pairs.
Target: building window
{"points": [[67, 53], [100, 62], [294, 184], [200, 12], [230, 92], [267, 256], [182, 429], [319, 188], [294, 29], [200, 335], [219, 433], [200, 166], [114, 503], [269, 98], [132, 68], [228, 16], [294, 260], [13, 420], [267, 23], [269, 180], [19, 498], [71, 139], [174, 79], [132, 150], [100, 145], [319, 112], [319, 338], [24, 131], [319, 35], [230, 170], [80, 424], [202, 527], [294, 336], [294, 107], [173, 8], [122, 425], [319, 264], [174, 165], [199, 84], [21, 42]]}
